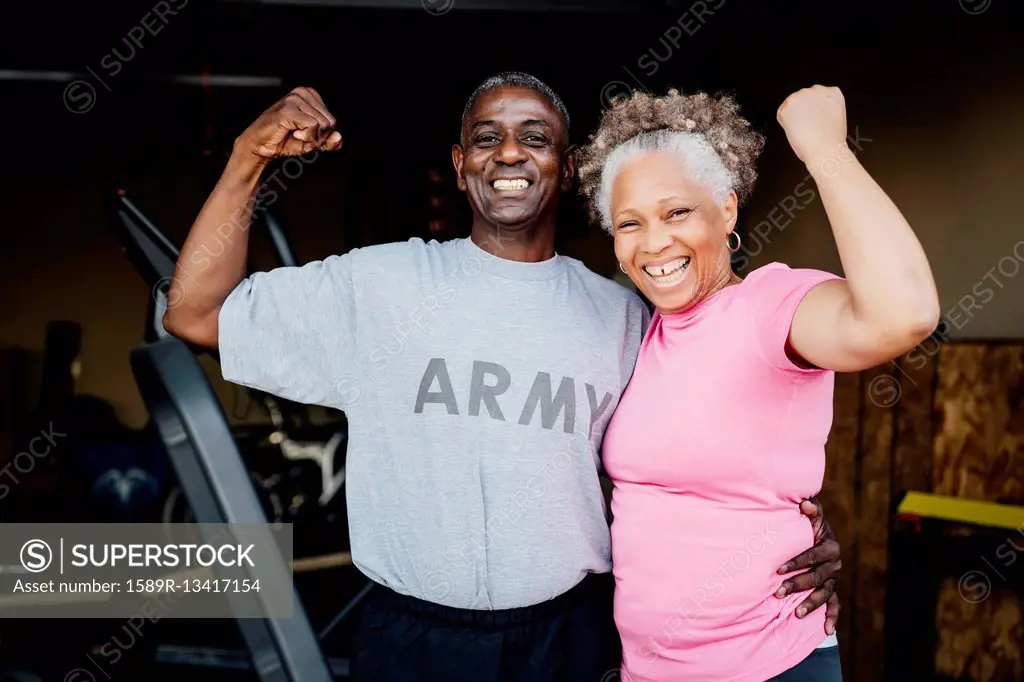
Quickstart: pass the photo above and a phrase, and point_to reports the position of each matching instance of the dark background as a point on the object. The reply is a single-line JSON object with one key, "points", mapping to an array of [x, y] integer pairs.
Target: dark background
{"points": [[936, 87]]}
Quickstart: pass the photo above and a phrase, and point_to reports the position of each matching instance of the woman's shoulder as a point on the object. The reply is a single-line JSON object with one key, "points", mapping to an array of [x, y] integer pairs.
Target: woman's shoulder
{"points": [[779, 269], [781, 275]]}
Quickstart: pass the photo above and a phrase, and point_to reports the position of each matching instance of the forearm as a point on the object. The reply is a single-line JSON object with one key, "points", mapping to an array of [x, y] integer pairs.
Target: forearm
{"points": [[891, 284], [214, 256]]}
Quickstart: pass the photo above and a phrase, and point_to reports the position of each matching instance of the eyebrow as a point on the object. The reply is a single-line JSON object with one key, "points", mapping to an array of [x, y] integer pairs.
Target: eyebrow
{"points": [[661, 202], [527, 122]]}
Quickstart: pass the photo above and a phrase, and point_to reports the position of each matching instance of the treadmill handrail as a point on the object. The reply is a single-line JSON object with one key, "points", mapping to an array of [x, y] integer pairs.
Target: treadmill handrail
{"points": [[279, 241], [199, 442], [155, 256], [152, 253]]}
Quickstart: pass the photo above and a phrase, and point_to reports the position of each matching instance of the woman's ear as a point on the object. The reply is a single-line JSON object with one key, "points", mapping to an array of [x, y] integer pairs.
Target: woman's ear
{"points": [[730, 211]]}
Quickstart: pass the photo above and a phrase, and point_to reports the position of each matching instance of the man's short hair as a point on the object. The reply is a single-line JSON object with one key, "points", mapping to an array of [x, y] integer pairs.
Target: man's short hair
{"points": [[518, 79]]}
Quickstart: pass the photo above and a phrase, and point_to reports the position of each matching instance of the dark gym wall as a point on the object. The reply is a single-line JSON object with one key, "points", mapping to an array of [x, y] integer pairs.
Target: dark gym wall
{"points": [[936, 100], [939, 128], [935, 96]]}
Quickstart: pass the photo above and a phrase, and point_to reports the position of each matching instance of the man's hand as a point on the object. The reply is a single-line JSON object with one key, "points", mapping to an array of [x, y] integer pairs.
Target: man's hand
{"points": [[825, 564], [297, 123]]}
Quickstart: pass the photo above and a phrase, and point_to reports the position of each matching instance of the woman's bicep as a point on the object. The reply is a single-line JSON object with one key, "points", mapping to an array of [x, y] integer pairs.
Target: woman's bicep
{"points": [[827, 334]]}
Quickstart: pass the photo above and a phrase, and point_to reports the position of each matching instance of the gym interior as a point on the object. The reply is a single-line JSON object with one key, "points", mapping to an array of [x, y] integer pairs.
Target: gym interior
{"points": [[121, 123]]}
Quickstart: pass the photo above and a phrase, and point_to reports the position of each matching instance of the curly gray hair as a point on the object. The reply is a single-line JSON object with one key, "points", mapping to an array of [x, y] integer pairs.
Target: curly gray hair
{"points": [[718, 145]]}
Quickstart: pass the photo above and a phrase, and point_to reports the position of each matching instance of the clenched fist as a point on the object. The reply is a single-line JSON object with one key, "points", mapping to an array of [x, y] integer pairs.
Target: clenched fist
{"points": [[815, 123], [296, 124]]}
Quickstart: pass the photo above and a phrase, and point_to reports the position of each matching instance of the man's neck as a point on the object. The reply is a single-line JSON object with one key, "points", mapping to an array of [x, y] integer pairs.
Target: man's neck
{"points": [[524, 244]]}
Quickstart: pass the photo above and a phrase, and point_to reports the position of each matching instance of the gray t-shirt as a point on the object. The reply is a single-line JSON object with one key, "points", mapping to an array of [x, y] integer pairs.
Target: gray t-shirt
{"points": [[477, 391]]}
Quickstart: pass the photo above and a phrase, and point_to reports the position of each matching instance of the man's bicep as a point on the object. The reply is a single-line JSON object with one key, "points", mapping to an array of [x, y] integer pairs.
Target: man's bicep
{"points": [[290, 332]]}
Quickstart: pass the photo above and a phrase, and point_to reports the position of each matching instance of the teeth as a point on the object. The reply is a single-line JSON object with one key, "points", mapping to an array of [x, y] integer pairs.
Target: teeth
{"points": [[518, 183], [668, 274], [666, 269]]}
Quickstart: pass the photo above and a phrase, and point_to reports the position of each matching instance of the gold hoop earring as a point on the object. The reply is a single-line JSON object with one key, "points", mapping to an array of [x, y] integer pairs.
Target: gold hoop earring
{"points": [[621, 267], [728, 242]]}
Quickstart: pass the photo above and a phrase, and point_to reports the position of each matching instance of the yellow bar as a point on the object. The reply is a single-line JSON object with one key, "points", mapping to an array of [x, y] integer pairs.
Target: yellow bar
{"points": [[961, 510]]}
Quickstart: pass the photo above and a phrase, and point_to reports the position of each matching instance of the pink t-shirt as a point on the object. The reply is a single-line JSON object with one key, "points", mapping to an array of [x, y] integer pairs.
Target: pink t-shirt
{"points": [[715, 442]]}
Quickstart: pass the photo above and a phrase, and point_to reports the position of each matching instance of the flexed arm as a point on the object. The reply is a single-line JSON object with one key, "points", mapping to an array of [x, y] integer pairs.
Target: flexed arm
{"points": [[296, 124], [888, 302]]}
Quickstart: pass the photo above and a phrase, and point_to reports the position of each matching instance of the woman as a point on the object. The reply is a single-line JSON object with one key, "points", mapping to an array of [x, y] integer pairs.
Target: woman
{"points": [[721, 431]]}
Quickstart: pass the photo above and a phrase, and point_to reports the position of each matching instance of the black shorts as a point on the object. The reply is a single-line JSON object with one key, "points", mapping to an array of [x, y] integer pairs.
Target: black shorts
{"points": [[571, 638]]}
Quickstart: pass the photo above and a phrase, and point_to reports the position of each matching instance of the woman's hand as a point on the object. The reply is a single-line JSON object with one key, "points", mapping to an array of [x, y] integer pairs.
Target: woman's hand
{"points": [[814, 120], [825, 564]]}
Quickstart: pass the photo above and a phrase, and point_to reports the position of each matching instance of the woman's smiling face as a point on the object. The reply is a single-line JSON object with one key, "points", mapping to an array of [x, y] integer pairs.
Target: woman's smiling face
{"points": [[670, 234]]}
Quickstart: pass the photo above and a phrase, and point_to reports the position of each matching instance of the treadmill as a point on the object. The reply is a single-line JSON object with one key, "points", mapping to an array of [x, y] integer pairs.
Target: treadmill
{"points": [[199, 442]]}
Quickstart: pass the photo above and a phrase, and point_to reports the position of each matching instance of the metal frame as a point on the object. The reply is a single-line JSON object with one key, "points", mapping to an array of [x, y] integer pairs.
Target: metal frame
{"points": [[152, 254], [279, 240], [202, 449]]}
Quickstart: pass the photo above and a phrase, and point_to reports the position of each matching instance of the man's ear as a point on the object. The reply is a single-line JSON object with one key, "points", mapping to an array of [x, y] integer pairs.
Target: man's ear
{"points": [[457, 158], [569, 166]]}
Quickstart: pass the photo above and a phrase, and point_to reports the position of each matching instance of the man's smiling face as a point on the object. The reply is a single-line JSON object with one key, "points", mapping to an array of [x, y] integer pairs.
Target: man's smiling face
{"points": [[512, 161]]}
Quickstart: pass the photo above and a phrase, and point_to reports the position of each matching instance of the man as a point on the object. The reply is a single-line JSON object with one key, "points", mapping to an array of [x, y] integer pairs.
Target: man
{"points": [[478, 376]]}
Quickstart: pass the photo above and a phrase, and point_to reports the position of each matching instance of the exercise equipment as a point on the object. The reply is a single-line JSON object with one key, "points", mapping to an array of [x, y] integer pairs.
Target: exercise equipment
{"points": [[151, 253], [201, 447], [192, 424], [918, 505], [935, 537], [54, 408], [279, 240], [322, 453]]}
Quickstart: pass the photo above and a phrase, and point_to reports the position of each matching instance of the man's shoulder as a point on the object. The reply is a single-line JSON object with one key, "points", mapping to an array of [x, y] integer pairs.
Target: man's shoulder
{"points": [[623, 315], [399, 259], [615, 293], [410, 249]]}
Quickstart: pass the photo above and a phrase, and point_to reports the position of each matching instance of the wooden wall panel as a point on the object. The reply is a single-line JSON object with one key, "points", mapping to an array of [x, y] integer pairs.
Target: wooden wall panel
{"points": [[912, 445], [980, 439], [947, 419], [983, 641], [881, 393], [838, 496], [979, 454]]}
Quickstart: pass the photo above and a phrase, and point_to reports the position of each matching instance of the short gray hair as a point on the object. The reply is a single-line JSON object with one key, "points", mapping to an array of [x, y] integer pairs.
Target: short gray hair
{"points": [[702, 162], [518, 79]]}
